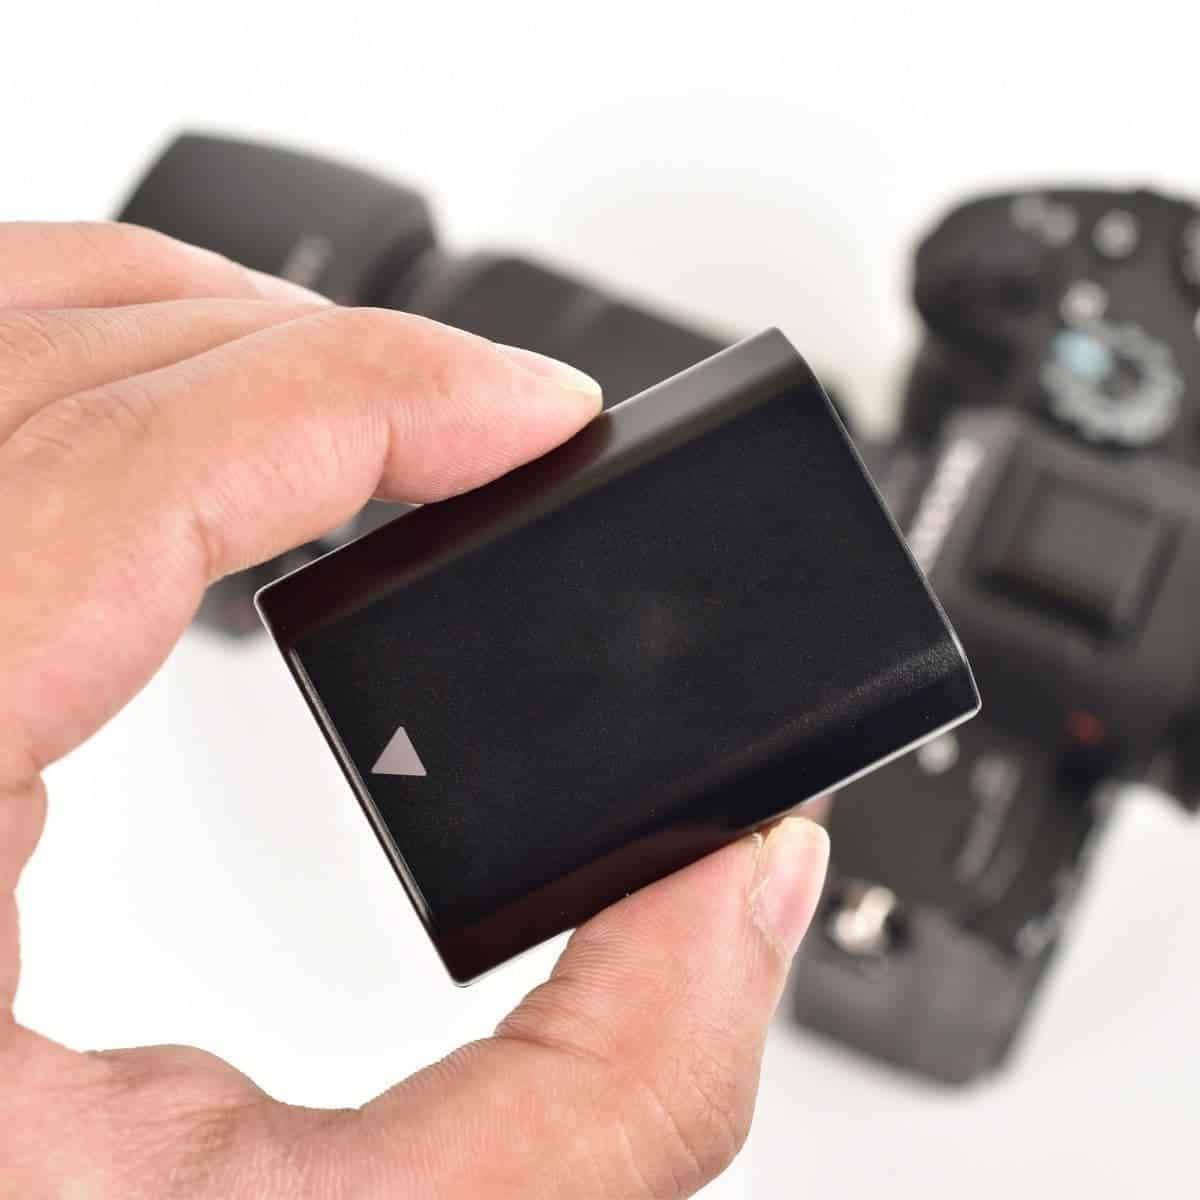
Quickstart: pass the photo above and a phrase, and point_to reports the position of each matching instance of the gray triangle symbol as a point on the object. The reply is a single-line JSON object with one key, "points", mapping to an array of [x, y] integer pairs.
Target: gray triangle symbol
{"points": [[399, 757]]}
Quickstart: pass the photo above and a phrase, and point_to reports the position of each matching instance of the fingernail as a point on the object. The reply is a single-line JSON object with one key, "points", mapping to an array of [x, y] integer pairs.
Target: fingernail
{"points": [[283, 291], [550, 368], [789, 874]]}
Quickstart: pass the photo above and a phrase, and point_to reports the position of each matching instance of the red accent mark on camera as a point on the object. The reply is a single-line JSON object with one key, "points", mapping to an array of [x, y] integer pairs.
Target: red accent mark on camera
{"points": [[1086, 728]]}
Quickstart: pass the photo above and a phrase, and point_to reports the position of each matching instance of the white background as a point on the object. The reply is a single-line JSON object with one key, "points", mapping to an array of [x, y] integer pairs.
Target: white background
{"points": [[205, 876]]}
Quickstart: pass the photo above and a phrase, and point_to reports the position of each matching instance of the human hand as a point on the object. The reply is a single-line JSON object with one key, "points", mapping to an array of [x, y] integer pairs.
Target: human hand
{"points": [[166, 418]]}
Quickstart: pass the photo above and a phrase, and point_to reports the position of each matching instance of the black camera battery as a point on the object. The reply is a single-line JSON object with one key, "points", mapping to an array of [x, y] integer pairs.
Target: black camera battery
{"points": [[561, 686]]}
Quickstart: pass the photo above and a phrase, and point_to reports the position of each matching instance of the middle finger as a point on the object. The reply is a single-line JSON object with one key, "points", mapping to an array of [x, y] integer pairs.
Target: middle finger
{"points": [[46, 354]]}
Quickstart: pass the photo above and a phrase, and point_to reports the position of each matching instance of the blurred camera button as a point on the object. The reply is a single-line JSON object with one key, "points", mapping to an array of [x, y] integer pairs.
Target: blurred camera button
{"points": [[1116, 234], [1074, 550], [862, 919], [1083, 301], [1052, 221], [939, 756]]}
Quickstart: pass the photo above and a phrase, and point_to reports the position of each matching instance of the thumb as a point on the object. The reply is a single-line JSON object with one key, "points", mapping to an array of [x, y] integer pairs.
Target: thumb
{"points": [[632, 1072]]}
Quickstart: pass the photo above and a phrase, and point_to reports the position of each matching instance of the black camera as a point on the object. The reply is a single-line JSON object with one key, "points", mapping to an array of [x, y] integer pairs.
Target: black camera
{"points": [[1047, 474]]}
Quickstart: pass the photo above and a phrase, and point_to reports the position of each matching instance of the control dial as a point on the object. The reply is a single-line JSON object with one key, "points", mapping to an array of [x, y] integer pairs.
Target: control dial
{"points": [[1112, 383]]}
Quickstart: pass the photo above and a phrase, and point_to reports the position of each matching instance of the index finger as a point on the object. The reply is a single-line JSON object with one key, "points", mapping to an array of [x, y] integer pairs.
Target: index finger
{"points": [[120, 504]]}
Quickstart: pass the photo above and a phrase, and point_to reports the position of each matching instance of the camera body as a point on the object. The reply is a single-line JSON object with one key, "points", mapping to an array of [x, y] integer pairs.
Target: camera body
{"points": [[1047, 474]]}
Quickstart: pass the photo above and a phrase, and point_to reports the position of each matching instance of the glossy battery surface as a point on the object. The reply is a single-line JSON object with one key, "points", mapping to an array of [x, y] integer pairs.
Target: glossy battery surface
{"points": [[557, 688]]}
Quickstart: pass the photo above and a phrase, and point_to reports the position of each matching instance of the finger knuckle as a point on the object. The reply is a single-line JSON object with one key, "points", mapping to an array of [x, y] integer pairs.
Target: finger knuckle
{"points": [[403, 375], [158, 263], [350, 347], [119, 236], [108, 417], [440, 389], [698, 1108], [32, 340], [27, 339], [356, 329], [185, 1124], [371, 341], [123, 412], [122, 239], [123, 245]]}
